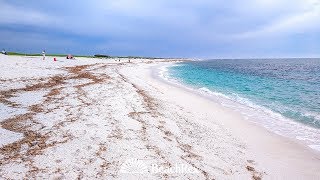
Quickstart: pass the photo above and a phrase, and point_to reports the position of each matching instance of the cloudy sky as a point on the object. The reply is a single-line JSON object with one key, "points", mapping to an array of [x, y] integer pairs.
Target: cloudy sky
{"points": [[175, 28]]}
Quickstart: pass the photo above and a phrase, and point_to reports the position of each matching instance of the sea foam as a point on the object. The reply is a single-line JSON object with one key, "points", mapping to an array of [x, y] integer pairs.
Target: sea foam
{"points": [[269, 119]]}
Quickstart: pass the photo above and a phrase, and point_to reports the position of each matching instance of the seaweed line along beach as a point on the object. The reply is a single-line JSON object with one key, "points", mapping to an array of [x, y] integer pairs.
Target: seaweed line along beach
{"points": [[92, 118]]}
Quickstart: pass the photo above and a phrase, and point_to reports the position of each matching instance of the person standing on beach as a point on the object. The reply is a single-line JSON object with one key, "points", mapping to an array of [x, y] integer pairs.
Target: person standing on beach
{"points": [[43, 55]]}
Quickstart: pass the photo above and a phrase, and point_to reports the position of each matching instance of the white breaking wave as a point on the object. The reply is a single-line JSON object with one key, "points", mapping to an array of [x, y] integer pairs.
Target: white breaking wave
{"points": [[265, 117]]}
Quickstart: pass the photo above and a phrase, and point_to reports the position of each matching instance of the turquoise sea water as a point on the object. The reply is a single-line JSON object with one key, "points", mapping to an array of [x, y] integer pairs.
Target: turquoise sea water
{"points": [[290, 88]]}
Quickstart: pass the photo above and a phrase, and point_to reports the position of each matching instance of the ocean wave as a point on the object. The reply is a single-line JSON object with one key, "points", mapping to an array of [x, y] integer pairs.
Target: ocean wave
{"points": [[272, 121], [314, 115], [206, 90], [163, 72]]}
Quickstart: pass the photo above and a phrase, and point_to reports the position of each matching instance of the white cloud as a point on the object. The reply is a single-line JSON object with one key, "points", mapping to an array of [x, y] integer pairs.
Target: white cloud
{"points": [[28, 42], [16, 15], [240, 19], [163, 12], [306, 19], [198, 23]]}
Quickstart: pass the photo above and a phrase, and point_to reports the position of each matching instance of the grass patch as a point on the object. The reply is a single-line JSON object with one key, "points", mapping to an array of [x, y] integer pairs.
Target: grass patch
{"points": [[86, 56], [53, 55]]}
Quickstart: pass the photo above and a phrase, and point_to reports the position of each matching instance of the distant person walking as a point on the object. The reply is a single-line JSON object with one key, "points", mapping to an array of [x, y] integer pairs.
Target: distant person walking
{"points": [[43, 55]]}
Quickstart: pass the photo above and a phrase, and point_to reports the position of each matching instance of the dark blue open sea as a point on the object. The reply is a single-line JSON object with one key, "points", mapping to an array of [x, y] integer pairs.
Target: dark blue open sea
{"points": [[283, 95]]}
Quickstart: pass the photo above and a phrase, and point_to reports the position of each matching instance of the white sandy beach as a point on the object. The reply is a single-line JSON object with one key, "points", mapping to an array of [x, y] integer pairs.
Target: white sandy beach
{"points": [[101, 119]]}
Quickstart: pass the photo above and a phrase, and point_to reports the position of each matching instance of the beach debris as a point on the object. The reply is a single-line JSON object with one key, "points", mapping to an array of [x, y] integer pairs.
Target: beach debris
{"points": [[69, 56], [4, 52], [249, 168], [255, 175]]}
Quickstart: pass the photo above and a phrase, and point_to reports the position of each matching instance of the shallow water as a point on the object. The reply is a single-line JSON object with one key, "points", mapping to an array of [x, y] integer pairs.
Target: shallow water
{"points": [[283, 93]]}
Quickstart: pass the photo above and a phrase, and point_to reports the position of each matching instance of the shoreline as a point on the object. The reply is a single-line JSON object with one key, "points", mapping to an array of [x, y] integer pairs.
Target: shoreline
{"points": [[253, 132], [95, 118], [159, 71]]}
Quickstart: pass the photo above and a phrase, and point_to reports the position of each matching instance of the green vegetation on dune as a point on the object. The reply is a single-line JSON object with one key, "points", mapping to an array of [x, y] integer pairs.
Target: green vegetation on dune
{"points": [[53, 55], [21, 54], [94, 56], [131, 57]]}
